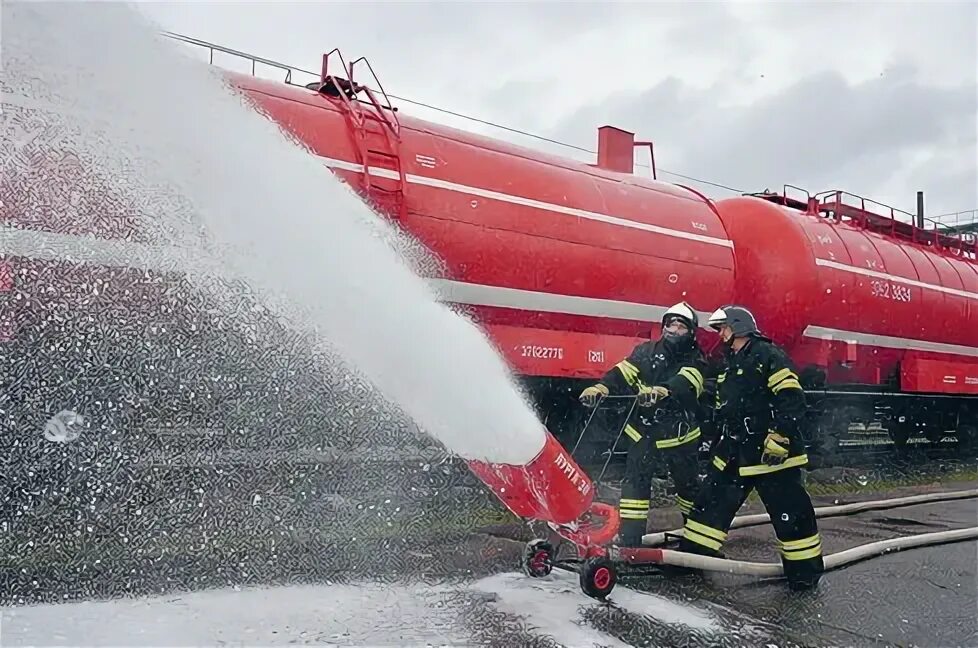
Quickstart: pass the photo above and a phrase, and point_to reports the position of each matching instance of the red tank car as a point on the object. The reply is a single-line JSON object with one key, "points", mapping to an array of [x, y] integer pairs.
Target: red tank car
{"points": [[863, 300], [847, 297]]}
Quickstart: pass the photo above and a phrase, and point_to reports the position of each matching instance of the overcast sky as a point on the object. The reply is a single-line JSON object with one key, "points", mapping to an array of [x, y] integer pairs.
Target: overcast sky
{"points": [[878, 99]]}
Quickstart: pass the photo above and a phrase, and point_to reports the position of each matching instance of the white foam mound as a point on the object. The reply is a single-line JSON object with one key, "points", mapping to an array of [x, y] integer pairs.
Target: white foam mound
{"points": [[361, 614], [551, 603], [365, 614], [270, 211]]}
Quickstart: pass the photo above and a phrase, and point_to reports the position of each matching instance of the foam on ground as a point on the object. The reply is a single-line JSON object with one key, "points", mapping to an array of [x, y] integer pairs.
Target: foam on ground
{"points": [[368, 613]]}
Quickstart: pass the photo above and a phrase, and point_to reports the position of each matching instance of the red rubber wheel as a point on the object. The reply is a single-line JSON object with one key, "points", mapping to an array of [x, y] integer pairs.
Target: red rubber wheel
{"points": [[602, 578], [537, 559], [598, 577]]}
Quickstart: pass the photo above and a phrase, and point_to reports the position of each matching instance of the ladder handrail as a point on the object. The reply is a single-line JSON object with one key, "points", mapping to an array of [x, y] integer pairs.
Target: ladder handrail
{"points": [[392, 122], [324, 73], [381, 110], [359, 116], [355, 112], [346, 91]]}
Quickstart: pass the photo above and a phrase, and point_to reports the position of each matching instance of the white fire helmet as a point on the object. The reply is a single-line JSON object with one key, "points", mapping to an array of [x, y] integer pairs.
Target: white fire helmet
{"points": [[685, 312]]}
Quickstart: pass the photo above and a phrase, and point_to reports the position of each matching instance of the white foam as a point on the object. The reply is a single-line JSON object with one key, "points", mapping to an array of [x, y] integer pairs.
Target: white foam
{"points": [[549, 606], [198, 157], [358, 615], [552, 603], [366, 613]]}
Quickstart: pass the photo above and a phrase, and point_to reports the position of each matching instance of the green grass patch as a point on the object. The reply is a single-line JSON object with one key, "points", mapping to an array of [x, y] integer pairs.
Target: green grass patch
{"points": [[856, 481]]}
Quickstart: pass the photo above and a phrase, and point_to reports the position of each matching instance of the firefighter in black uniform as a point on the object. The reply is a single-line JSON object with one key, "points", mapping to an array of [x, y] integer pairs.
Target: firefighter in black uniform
{"points": [[666, 375], [759, 406]]}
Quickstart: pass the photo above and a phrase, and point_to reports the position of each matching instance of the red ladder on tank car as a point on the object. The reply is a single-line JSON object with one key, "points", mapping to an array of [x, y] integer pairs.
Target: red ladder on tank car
{"points": [[376, 133]]}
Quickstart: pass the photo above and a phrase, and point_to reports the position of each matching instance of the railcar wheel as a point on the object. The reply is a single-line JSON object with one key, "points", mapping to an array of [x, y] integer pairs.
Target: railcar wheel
{"points": [[537, 559], [598, 577]]}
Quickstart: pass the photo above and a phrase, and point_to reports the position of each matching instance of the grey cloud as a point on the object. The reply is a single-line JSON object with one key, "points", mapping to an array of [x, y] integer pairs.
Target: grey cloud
{"points": [[954, 181], [819, 132], [709, 28], [821, 117], [580, 17]]}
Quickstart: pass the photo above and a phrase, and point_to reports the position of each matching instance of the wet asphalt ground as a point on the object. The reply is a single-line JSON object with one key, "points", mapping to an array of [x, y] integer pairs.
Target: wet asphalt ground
{"points": [[917, 597], [462, 587]]}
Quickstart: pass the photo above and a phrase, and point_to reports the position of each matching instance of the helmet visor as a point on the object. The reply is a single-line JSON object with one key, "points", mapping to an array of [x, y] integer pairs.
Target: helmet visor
{"points": [[717, 319]]}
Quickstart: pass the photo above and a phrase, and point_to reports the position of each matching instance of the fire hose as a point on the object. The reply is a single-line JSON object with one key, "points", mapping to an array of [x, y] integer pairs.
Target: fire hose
{"points": [[831, 561], [656, 539]]}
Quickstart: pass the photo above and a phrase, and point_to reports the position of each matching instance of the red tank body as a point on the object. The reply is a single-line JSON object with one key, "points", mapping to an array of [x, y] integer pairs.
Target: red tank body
{"points": [[862, 305]]}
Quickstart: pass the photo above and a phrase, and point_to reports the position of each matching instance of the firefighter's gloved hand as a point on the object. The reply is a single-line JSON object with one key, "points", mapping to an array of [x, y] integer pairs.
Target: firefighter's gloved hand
{"points": [[648, 396], [775, 448], [589, 397]]}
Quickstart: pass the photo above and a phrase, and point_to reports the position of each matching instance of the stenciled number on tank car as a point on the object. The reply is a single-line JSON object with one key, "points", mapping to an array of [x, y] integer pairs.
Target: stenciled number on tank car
{"points": [[542, 352], [887, 290]]}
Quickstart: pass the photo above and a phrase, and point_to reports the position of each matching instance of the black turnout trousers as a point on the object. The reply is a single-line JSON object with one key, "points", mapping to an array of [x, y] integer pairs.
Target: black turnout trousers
{"points": [[637, 486], [787, 502]]}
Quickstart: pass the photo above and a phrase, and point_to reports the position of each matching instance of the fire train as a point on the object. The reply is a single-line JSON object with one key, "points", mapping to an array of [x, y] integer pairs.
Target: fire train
{"points": [[568, 265]]}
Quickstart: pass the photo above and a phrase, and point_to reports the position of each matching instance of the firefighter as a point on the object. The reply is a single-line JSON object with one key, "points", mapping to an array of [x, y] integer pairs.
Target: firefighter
{"points": [[759, 406], [666, 376]]}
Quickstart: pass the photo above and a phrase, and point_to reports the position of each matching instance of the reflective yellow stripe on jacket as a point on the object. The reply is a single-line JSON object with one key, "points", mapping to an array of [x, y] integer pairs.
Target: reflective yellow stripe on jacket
{"points": [[783, 379], [628, 371], [693, 375]]}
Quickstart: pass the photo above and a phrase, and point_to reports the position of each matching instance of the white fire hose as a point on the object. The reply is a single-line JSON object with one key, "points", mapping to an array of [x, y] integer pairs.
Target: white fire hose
{"points": [[656, 539], [831, 561]]}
